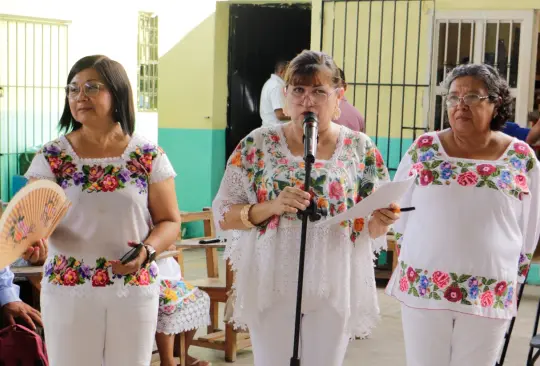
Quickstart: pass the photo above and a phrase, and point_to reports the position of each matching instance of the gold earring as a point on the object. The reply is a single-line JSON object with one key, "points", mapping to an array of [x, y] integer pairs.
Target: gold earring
{"points": [[337, 114]]}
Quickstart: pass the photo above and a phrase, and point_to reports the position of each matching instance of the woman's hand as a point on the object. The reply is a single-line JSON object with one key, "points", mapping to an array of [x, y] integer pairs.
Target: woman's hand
{"points": [[132, 266], [290, 200], [381, 220], [37, 253]]}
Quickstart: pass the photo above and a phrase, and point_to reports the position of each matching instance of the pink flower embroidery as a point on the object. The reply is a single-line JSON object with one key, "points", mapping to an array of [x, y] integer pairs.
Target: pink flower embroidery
{"points": [[109, 183], [411, 274], [273, 223], [425, 141], [467, 179], [95, 173], [335, 190], [453, 294], [521, 181], [251, 156], [485, 169], [441, 279], [283, 161], [416, 168], [500, 288], [68, 169], [521, 148], [100, 278], [143, 278], [486, 299], [347, 141], [71, 277], [426, 177], [403, 284], [262, 194]]}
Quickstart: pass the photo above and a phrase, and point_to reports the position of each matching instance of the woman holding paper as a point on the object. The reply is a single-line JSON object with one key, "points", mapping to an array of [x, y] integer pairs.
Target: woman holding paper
{"points": [[257, 203], [470, 240]]}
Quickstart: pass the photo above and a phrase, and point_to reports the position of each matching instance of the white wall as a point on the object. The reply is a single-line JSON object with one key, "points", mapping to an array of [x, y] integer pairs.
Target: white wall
{"points": [[107, 27]]}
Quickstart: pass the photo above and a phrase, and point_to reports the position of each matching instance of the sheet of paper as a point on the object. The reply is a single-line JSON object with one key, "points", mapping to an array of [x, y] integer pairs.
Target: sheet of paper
{"points": [[381, 198]]}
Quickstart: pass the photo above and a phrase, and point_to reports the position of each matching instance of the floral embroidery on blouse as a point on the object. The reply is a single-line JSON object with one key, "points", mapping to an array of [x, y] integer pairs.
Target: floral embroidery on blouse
{"points": [[175, 294], [508, 176], [99, 177], [72, 272], [67, 271], [143, 277], [524, 264], [456, 288], [328, 186]]}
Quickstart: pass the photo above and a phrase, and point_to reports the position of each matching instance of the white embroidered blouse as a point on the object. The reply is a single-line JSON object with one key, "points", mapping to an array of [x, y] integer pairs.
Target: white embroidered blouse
{"points": [[339, 259], [474, 230], [109, 208]]}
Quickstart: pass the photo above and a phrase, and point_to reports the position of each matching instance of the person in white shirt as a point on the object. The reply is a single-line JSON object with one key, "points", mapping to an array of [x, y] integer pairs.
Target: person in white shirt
{"points": [[256, 206], [273, 99], [468, 245]]}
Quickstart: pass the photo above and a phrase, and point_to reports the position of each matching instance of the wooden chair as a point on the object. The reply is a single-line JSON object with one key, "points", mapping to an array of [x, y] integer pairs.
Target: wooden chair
{"points": [[217, 288]]}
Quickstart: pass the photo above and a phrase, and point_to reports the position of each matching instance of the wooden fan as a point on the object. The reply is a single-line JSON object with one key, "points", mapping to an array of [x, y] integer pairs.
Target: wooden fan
{"points": [[33, 214]]}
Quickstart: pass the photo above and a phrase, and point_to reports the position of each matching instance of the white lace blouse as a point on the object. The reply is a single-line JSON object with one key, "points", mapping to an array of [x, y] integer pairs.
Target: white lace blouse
{"points": [[109, 208], [473, 233], [339, 259]]}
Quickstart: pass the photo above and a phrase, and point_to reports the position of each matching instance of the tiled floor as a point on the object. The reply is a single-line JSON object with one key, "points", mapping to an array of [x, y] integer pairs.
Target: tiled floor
{"points": [[385, 347]]}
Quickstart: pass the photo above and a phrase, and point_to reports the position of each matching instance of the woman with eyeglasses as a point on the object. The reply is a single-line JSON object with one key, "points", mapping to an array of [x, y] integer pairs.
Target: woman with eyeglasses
{"points": [[96, 309], [257, 205], [468, 245]]}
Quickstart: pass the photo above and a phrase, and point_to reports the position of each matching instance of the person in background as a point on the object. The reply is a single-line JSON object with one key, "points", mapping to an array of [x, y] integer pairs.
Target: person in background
{"points": [[528, 135], [272, 97], [11, 304], [349, 116]]}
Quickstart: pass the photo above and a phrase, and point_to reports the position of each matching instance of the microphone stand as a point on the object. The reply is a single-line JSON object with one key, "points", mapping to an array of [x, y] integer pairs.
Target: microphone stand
{"points": [[314, 214]]}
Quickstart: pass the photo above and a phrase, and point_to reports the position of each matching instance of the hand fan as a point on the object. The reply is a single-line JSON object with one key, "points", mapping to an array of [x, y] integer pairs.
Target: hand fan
{"points": [[32, 214]]}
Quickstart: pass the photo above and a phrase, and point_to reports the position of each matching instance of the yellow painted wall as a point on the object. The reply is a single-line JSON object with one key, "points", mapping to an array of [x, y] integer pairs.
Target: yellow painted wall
{"points": [[193, 64], [186, 67]]}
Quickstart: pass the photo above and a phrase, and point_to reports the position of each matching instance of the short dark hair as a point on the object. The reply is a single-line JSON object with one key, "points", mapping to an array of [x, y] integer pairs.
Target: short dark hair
{"points": [[497, 88], [307, 67], [280, 65], [342, 76], [115, 78]]}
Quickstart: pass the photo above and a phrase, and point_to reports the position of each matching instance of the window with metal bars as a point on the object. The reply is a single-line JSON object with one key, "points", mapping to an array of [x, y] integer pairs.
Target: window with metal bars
{"points": [[147, 56], [33, 73]]}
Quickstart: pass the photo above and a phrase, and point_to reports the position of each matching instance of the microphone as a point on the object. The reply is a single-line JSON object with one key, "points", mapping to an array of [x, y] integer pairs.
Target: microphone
{"points": [[311, 133]]}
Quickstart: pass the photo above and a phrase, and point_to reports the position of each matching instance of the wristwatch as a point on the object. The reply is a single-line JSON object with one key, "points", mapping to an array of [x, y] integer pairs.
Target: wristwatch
{"points": [[150, 254]]}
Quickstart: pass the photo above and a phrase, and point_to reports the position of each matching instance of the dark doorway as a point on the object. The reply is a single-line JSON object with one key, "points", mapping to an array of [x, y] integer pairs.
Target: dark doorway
{"points": [[259, 35]]}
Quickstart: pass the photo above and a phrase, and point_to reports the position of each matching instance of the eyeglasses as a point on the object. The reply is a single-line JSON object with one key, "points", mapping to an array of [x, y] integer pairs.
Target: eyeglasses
{"points": [[469, 100], [317, 96], [90, 89]]}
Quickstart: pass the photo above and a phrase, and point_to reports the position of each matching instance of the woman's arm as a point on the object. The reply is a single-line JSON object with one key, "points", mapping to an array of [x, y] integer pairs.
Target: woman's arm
{"points": [[166, 218], [258, 214], [165, 214], [290, 200]]}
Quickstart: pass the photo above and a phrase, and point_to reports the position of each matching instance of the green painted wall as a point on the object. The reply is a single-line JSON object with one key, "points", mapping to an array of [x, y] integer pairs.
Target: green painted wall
{"points": [[198, 157]]}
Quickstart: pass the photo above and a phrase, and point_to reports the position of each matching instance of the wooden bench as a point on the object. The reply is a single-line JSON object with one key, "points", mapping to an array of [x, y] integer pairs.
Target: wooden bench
{"points": [[228, 340]]}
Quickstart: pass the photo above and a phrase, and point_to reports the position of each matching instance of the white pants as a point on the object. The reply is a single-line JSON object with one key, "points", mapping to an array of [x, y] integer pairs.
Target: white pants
{"points": [[99, 330], [447, 338], [323, 341]]}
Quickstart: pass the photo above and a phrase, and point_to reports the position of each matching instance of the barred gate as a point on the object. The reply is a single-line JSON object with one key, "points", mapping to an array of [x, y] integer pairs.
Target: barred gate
{"points": [[33, 72], [385, 49]]}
